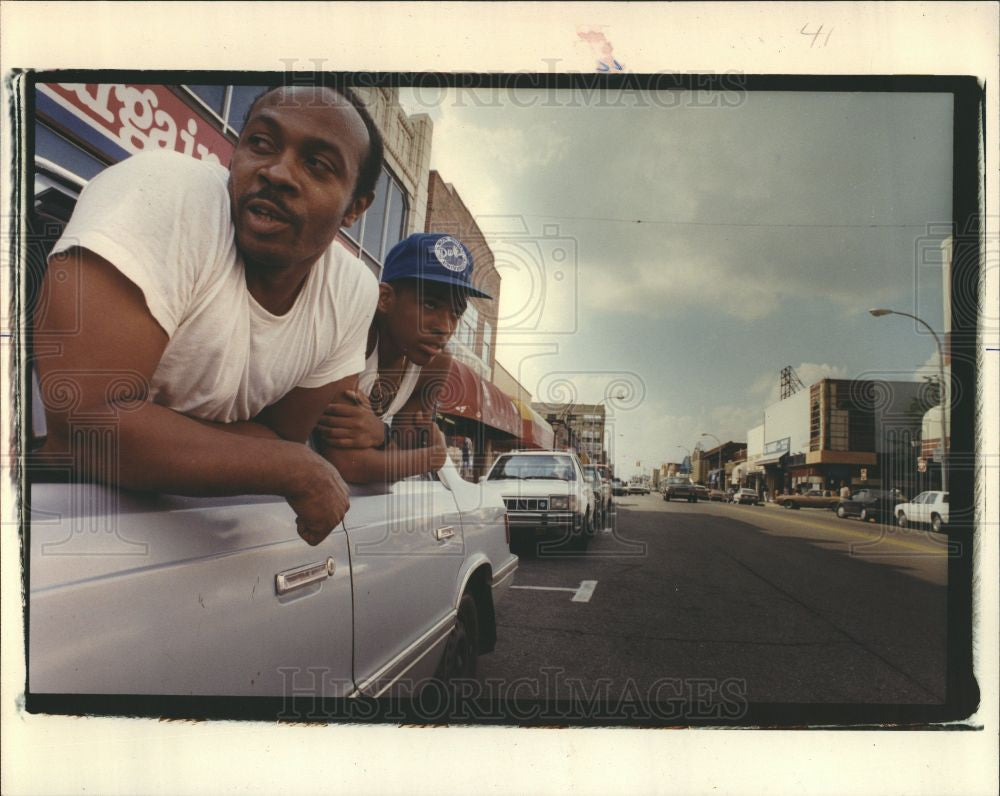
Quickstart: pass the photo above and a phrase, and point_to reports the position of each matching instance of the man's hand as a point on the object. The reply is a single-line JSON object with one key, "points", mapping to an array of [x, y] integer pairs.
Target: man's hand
{"points": [[350, 423], [318, 496]]}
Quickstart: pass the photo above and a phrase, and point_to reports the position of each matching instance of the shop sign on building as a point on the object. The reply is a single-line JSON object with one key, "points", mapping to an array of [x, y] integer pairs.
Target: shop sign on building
{"points": [[123, 119], [778, 446]]}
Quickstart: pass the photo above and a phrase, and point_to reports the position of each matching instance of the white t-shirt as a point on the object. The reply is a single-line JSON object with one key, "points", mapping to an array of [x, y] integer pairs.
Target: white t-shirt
{"points": [[368, 377], [163, 220]]}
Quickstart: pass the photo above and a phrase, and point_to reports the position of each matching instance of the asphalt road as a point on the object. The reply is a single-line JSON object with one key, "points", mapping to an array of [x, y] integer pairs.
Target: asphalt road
{"points": [[755, 602]]}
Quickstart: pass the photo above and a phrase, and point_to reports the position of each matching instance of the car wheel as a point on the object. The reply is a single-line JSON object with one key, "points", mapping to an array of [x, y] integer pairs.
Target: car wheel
{"points": [[462, 648], [787, 505], [842, 512], [936, 523], [864, 515], [585, 533], [901, 520], [666, 497]]}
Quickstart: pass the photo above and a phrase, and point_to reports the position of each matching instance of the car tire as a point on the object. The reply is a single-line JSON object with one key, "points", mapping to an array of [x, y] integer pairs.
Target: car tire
{"points": [[666, 496], [461, 650], [901, 519], [936, 523], [842, 512], [864, 515], [586, 532]]}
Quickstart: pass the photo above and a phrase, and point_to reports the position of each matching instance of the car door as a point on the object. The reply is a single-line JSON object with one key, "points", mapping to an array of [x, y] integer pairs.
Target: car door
{"points": [[920, 512], [407, 548], [155, 594]]}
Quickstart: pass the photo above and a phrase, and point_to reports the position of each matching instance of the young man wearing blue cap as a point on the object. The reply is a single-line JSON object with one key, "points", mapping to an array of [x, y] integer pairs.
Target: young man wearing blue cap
{"points": [[425, 287]]}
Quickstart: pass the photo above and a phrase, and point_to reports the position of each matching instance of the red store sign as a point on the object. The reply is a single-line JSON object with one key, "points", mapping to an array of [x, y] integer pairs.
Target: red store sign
{"points": [[141, 117]]}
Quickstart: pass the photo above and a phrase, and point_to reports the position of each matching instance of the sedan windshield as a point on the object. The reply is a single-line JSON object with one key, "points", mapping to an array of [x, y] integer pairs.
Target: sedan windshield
{"points": [[552, 467]]}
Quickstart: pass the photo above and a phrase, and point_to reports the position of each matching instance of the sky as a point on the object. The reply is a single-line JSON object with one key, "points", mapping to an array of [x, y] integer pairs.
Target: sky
{"points": [[669, 253]]}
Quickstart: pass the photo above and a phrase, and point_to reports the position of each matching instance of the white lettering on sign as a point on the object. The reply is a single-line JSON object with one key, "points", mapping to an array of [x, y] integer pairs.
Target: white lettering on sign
{"points": [[137, 119]]}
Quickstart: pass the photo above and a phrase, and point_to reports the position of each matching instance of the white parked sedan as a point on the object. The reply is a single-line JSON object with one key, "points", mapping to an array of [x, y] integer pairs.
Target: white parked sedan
{"points": [[927, 508], [546, 494]]}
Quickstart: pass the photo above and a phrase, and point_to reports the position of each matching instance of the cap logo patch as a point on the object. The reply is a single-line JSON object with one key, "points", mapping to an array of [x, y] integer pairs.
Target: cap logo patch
{"points": [[451, 254]]}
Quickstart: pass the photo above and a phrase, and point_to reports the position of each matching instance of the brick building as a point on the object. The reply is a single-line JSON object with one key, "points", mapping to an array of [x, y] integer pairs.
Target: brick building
{"points": [[474, 343]]}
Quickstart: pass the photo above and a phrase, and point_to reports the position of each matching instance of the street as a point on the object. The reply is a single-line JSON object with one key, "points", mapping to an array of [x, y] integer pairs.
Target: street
{"points": [[757, 602]]}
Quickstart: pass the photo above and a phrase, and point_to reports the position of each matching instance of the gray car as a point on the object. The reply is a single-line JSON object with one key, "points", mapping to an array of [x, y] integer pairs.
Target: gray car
{"points": [[139, 594]]}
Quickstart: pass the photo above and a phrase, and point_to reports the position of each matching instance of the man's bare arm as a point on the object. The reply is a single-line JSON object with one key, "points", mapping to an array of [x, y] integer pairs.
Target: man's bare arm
{"points": [[295, 416], [105, 365], [368, 466]]}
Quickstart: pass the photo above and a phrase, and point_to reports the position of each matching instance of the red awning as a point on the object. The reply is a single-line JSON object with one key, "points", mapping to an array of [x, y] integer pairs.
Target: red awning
{"points": [[468, 395], [535, 431]]}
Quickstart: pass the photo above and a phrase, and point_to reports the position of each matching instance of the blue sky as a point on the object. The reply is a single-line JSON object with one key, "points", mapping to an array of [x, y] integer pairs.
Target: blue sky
{"points": [[681, 251]]}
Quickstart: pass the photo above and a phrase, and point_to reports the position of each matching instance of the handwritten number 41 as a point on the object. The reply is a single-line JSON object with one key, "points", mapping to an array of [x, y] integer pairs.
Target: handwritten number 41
{"points": [[815, 35]]}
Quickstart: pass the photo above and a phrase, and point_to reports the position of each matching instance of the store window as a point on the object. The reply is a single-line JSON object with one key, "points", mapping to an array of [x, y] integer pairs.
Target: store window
{"points": [[467, 328], [381, 227], [214, 98], [240, 100], [55, 149], [487, 340]]}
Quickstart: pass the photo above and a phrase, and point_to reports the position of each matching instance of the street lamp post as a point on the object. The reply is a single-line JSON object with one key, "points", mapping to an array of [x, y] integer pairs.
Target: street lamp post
{"points": [[706, 434], [687, 451], [878, 313]]}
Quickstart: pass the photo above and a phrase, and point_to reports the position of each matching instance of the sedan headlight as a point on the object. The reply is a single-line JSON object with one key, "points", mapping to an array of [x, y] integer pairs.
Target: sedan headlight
{"points": [[559, 502]]}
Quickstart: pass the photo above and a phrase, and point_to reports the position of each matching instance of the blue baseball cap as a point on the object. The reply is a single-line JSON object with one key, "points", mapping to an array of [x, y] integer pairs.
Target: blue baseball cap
{"points": [[432, 257]]}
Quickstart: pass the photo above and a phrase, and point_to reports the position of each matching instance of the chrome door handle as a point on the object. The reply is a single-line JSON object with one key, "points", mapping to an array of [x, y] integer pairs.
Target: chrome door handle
{"points": [[298, 577], [444, 533]]}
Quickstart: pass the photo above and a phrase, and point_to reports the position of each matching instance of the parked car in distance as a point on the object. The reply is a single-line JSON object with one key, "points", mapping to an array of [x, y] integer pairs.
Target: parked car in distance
{"points": [[602, 494], [132, 593], [927, 508], [809, 499], [870, 504], [618, 487], [747, 496], [702, 492], [679, 487], [718, 495], [638, 488], [546, 494]]}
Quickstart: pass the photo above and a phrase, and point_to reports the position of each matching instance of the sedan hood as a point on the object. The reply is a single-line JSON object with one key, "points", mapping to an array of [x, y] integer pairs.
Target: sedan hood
{"points": [[530, 487]]}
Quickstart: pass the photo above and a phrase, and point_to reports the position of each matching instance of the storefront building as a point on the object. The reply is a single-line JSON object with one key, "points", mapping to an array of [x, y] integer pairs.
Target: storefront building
{"points": [[860, 432]]}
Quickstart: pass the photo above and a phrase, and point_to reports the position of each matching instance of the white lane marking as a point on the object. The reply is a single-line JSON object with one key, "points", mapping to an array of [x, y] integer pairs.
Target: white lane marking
{"points": [[581, 594], [545, 588], [585, 592]]}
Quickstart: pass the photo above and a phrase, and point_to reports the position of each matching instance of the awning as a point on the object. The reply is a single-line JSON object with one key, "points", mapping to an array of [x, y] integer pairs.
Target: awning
{"points": [[535, 430], [467, 395], [772, 460]]}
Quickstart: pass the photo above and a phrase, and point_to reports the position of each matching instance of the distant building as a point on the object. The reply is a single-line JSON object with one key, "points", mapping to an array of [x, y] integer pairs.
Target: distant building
{"points": [[861, 432], [578, 427], [713, 468]]}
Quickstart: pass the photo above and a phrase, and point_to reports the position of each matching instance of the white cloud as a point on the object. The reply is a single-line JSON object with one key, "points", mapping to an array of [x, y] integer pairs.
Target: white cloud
{"points": [[656, 288]]}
